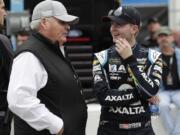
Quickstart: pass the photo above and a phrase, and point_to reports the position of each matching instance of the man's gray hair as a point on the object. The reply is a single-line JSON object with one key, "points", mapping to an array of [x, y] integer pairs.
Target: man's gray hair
{"points": [[35, 24]]}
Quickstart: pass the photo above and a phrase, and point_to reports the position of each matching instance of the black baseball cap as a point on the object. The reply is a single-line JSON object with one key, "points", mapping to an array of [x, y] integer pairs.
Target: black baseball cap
{"points": [[152, 20], [123, 15]]}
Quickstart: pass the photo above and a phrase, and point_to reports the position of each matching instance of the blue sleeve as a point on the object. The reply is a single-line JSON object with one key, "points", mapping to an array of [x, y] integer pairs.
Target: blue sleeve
{"points": [[147, 83]]}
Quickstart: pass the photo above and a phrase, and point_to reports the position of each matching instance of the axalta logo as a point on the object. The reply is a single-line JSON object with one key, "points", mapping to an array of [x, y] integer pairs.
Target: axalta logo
{"points": [[147, 79], [119, 98], [127, 110]]}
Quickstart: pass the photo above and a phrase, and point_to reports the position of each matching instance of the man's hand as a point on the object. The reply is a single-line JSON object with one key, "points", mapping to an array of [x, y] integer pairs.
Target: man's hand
{"points": [[123, 47], [61, 131], [154, 100]]}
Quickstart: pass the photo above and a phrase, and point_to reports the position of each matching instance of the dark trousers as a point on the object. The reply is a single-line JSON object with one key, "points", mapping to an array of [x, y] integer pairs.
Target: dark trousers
{"points": [[4, 128], [104, 130]]}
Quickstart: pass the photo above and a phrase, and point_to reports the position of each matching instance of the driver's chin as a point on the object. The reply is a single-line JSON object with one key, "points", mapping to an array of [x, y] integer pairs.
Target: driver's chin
{"points": [[115, 39]]}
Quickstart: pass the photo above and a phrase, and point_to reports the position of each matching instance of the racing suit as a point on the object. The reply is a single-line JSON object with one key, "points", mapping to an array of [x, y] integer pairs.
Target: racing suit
{"points": [[123, 87]]}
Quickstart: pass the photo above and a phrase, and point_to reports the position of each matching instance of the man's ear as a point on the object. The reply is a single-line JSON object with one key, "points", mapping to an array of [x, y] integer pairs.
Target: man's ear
{"points": [[135, 29], [43, 23]]}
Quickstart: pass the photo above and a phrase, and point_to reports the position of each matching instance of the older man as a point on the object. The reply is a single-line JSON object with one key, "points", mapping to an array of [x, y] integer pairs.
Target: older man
{"points": [[170, 89], [153, 25], [44, 91]]}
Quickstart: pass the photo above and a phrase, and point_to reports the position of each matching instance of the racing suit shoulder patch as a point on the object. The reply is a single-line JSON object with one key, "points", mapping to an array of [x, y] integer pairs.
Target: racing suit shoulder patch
{"points": [[153, 55], [102, 57]]}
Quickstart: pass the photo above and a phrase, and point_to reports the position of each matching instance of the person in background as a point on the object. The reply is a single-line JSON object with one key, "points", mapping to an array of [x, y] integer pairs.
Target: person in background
{"points": [[126, 77], [176, 35], [6, 55], [170, 88], [21, 37], [153, 26], [44, 92]]}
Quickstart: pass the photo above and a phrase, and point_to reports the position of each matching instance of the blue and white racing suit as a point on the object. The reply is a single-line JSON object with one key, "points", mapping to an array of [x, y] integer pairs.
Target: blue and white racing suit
{"points": [[123, 86]]}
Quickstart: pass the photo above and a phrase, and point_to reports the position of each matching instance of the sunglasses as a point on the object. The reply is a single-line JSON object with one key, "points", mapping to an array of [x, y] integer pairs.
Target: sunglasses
{"points": [[118, 12]]}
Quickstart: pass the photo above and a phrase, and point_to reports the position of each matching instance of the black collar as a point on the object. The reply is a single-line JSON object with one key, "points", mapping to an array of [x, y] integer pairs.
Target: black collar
{"points": [[53, 46]]}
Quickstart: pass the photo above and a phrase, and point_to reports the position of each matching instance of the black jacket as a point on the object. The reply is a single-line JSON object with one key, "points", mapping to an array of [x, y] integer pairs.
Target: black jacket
{"points": [[62, 94], [6, 55]]}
